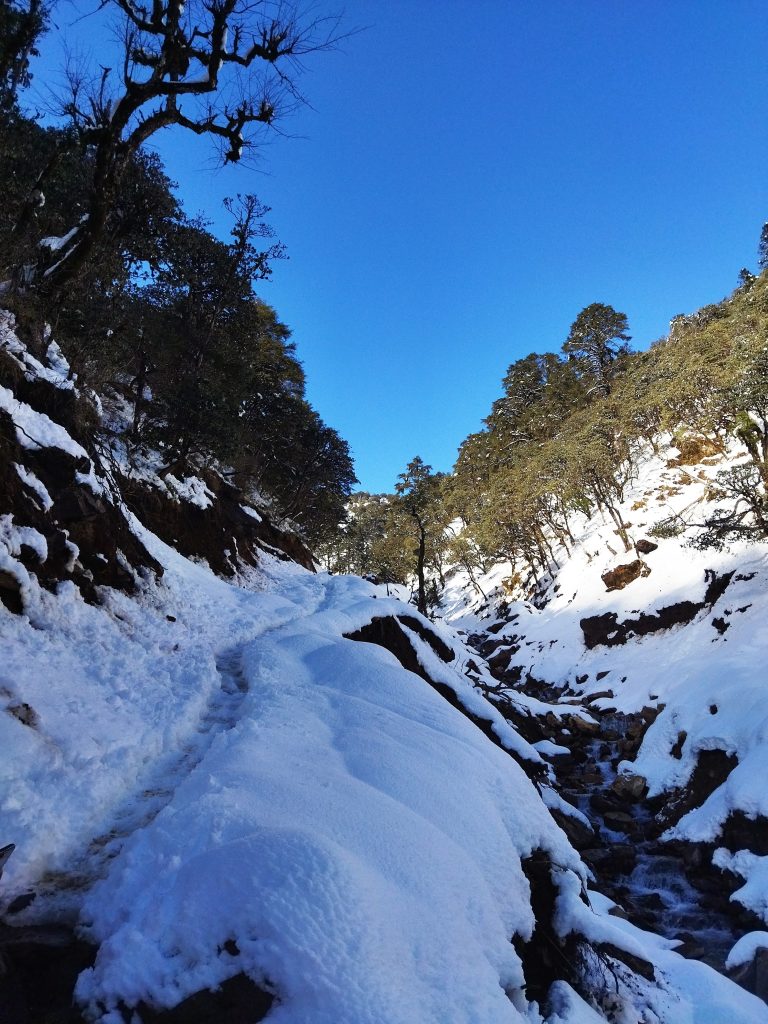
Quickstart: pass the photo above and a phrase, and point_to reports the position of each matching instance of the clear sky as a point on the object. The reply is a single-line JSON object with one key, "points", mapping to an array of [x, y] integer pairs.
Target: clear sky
{"points": [[472, 173]]}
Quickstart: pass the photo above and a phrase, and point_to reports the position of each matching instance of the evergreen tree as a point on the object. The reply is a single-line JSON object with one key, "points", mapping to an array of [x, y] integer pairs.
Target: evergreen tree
{"points": [[598, 341], [419, 501], [21, 25]]}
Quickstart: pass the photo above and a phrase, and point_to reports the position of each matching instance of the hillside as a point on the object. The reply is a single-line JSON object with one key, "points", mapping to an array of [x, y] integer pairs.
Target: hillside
{"points": [[661, 652], [274, 793]]}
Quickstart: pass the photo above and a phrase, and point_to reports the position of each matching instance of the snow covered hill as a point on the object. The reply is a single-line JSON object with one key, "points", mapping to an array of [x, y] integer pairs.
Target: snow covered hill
{"points": [[286, 796], [666, 649]]}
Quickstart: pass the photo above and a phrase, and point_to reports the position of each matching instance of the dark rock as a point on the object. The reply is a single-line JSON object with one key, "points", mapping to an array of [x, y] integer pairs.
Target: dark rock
{"points": [[645, 546], [42, 965], [10, 592], [622, 575], [546, 957], [690, 947], [499, 661], [712, 769], [635, 963], [620, 821], [592, 697], [5, 854], [29, 556], [238, 1000], [496, 627], [676, 750], [630, 787], [604, 801], [215, 532], [386, 631], [429, 636], [584, 725], [24, 713], [606, 629], [21, 902], [742, 833], [753, 976], [580, 836], [622, 859]]}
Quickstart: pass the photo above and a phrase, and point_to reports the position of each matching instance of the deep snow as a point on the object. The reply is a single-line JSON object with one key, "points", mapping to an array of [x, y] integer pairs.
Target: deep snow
{"points": [[209, 778]]}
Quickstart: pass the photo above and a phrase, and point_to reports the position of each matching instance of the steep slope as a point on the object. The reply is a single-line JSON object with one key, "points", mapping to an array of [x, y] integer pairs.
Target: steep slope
{"points": [[280, 796], [665, 648]]}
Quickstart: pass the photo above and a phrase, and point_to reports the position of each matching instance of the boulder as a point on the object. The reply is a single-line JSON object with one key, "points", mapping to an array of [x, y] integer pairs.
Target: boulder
{"points": [[580, 835], [622, 575], [753, 975], [584, 725], [620, 821], [645, 546], [630, 787]]}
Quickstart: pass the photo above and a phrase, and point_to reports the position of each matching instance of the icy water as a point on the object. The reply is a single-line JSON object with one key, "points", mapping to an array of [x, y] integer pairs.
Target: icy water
{"points": [[640, 873], [658, 879]]}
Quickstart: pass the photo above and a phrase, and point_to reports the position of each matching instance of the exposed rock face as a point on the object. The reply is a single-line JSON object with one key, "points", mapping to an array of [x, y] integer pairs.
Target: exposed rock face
{"points": [[607, 630], [62, 485], [38, 971], [387, 632], [622, 575], [742, 833], [238, 1001], [87, 537], [223, 533], [712, 769]]}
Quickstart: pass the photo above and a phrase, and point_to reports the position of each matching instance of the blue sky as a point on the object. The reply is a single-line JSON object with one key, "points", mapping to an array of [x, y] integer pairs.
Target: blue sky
{"points": [[471, 174]]}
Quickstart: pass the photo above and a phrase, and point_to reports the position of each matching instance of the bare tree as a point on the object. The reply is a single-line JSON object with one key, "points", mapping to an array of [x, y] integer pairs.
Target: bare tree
{"points": [[219, 68]]}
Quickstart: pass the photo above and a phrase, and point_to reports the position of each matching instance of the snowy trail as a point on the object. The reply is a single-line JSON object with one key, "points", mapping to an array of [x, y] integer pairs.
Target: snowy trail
{"points": [[59, 894]]}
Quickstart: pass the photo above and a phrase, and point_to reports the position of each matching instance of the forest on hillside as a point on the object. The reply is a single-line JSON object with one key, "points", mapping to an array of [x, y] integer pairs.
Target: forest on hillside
{"points": [[162, 318], [154, 312], [565, 437]]}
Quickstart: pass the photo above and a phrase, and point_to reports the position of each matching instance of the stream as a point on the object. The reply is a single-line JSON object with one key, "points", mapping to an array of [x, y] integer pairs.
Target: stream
{"points": [[645, 876]]}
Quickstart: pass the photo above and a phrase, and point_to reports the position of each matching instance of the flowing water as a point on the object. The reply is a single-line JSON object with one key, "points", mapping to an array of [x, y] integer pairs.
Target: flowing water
{"points": [[641, 873]]}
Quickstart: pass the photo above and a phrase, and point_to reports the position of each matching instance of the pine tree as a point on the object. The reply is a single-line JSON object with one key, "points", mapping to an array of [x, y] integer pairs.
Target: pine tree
{"points": [[598, 339], [419, 501]]}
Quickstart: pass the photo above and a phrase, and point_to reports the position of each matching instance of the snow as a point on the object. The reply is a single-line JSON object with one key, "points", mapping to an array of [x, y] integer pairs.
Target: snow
{"points": [[745, 949], [549, 749], [687, 991], [212, 778], [252, 513], [356, 835], [35, 429], [34, 484], [246, 773], [754, 894], [56, 242], [569, 1008], [191, 489], [708, 686]]}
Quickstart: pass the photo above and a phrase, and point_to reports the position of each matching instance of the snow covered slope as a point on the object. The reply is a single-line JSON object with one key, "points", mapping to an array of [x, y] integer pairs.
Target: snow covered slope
{"points": [[685, 643], [285, 785]]}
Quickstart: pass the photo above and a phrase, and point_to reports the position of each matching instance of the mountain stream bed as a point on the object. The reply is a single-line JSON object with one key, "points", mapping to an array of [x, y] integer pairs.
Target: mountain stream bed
{"points": [[653, 883]]}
